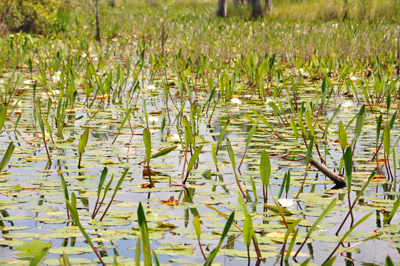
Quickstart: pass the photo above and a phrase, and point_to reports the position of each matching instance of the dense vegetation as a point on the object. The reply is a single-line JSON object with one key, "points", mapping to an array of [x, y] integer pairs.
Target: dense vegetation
{"points": [[184, 137]]}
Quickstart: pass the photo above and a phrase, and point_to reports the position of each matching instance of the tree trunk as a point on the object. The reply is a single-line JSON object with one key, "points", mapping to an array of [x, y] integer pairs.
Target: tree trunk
{"points": [[236, 4], [268, 5], [257, 10], [222, 12], [346, 9], [97, 21]]}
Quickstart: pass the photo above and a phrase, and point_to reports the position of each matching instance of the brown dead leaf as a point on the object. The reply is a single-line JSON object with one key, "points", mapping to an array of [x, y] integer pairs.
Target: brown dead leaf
{"points": [[145, 185], [169, 202], [146, 172], [163, 225]]}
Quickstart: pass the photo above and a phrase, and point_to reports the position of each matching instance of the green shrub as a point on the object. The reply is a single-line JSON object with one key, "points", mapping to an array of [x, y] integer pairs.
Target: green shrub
{"points": [[38, 16]]}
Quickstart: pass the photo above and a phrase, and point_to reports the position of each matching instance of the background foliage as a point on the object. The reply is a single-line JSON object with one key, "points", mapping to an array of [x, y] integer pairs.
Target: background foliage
{"points": [[37, 16]]}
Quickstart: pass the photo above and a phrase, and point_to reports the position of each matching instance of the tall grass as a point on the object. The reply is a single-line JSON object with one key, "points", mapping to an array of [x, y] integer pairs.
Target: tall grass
{"points": [[291, 30]]}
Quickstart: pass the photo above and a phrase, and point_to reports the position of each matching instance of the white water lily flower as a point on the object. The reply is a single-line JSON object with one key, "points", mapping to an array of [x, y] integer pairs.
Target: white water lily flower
{"points": [[153, 119], [16, 103], [236, 101], [174, 138], [320, 229], [347, 104], [29, 82], [151, 87], [268, 100], [55, 92], [286, 203], [56, 77]]}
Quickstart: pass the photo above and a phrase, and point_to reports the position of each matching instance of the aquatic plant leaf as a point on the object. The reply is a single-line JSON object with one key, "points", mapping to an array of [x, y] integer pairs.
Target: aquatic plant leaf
{"points": [[280, 210], [248, 230], [138, 251], [360, 122], [70, 250], [65, 260], [213, 253], [264, 120], [309, 152], [164, 152], [196, 225], [120, 181], [3, 116], [250, 136], [386, 139], [326, 211], [378, 130], [242, 204], [309, 123], [75, 216], [188, 131], [251, 119], [265, 168], [290, 230], [144, 231], [388, 261], [294, 129], [146, 116], [354, 226], [222, 134], [348, 165], [214, 154], [32, 249], [395, 208], [162, 125], [231, 153], [193, 159], [102, 179], [83, 141], [276, 210], [253, 187], [330, 261], [128, 114], [39, 258], [156, 261], [7, 156], [292, 242], [147, 144], [342, 136]]}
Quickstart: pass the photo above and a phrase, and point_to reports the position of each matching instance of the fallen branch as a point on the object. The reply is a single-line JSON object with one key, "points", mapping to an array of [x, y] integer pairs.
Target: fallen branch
{"points": [[328, 172], [323, 169]]}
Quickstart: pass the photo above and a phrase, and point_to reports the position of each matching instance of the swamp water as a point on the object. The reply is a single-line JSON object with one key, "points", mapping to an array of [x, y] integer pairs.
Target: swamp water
{"points": [[33, 208]]}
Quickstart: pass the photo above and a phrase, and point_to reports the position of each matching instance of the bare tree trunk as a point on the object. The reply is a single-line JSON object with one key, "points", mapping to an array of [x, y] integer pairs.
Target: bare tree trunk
{"points": [[97, 21], [268, 5], [346, 9], [257, 9], [222, 11], [236, 4]]}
